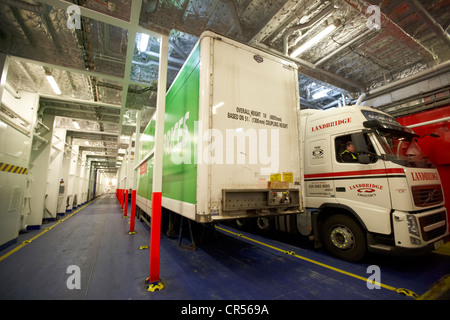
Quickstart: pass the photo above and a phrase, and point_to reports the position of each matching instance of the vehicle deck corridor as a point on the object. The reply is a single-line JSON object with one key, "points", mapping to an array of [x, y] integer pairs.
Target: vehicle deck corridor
{"points": [[235, 266]]}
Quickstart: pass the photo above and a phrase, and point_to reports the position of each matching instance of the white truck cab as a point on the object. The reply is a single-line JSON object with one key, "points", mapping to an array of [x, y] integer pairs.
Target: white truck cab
{"points": [[386, 196]]}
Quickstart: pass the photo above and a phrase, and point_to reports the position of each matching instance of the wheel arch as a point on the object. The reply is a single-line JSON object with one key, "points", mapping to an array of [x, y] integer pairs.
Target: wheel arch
{"points": [[328, 209]]}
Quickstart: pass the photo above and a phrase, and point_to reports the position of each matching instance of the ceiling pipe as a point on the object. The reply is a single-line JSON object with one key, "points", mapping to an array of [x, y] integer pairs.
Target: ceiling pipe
{"points": [[311, 66], [331, 104], [360, 99], [316, 19], [429, 122], [51, 107], [154, 63], [66, 100], [436, 27], [157, 55], [420, 76], [341, 48]]}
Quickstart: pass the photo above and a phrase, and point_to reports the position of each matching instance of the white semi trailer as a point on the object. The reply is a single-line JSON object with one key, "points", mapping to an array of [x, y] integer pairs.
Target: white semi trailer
{"points": [[238, 147], [232, 122]]}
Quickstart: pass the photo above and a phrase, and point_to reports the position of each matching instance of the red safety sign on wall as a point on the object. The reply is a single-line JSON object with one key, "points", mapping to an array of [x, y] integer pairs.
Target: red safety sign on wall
{"points": [[143, 168]]}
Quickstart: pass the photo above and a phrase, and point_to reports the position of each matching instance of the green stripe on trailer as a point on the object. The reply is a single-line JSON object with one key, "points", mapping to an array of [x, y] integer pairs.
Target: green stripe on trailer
{"points": [[148, 138], [182, 104], [145, 185], [179, 168]]}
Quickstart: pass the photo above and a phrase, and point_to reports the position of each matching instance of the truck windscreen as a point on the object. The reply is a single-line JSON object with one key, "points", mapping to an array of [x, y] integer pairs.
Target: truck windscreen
{"points": [[401, 148]]}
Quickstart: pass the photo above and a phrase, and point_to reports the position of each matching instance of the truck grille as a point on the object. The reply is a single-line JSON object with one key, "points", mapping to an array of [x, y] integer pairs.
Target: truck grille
{"points": [[429, 195], [427, 221]]}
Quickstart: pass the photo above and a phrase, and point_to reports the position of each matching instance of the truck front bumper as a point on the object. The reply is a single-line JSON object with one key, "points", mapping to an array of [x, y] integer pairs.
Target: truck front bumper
{"points": [[407, 251]]}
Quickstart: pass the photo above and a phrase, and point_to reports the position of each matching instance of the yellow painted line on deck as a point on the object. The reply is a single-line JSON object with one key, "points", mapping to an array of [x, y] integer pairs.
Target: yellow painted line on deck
{"points": [[23, 244], [382, 285], [445, 249]]}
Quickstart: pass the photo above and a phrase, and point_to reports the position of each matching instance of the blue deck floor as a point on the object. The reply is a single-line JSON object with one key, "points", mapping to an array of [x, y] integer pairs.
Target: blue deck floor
{"points": [[112, 267]]}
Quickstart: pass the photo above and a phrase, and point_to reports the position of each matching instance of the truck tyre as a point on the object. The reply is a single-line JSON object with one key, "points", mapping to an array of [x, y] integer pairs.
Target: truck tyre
{"points": [[263, 223], [243, 223], [343, 237]]}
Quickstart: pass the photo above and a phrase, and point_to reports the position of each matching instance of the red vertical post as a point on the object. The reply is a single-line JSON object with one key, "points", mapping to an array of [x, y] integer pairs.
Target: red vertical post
{"points": [[155, 237], [125, 208], [133, 211], [123, 198]]}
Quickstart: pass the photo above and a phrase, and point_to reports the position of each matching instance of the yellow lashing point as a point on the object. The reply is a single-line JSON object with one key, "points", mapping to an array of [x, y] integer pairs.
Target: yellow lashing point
{"points": [[152, 287], [155, 286], [407, 292], [143, 247]]}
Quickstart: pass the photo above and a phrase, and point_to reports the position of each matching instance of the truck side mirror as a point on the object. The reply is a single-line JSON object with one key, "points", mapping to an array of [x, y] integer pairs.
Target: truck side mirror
{"points": [[361, 147], [360, 143]]}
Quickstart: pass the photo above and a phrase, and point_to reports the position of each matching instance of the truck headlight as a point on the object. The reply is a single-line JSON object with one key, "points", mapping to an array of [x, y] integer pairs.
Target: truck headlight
{"points": [[412, 225]]}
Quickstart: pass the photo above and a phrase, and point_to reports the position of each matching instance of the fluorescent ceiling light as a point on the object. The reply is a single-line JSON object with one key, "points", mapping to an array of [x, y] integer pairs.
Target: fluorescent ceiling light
{"points": [[313, 41], [321, 94], [53, 83], [143, 43], [76, 125]]}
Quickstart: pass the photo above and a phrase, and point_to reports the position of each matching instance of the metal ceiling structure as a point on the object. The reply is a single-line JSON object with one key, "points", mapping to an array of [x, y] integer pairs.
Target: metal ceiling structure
{"points": [[107, 71]]}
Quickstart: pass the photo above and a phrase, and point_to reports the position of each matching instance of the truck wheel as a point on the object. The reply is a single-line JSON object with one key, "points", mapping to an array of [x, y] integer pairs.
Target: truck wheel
{"points": [[241, 223], [263, 223], [344, 238]]}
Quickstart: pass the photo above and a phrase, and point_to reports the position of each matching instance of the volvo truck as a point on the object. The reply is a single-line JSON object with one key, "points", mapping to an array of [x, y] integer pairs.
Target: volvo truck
{"points": [[368, 186]]}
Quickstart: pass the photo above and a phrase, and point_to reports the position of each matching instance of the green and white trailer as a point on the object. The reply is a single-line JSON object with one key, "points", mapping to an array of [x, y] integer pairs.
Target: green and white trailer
{"points": [[232, 146]]}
